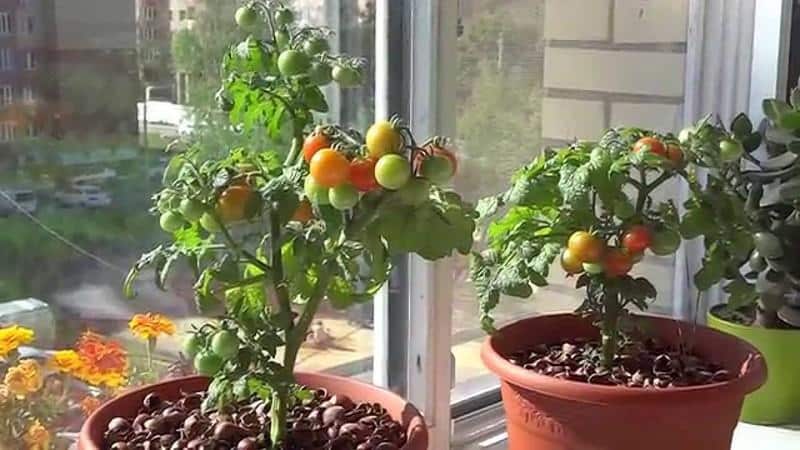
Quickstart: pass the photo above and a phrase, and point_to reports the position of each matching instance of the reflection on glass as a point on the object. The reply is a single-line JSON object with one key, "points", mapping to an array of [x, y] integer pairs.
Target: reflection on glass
{"points": [[91, 92], [542, 73]]}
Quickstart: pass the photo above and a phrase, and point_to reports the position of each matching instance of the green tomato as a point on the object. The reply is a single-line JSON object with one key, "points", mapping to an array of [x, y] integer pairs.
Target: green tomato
{"points": [[392, 171], [208, 363], [246, 17], [171, 221], [592, 268], [623, 208], [316, 45], [768, 245], [665, 242], [316, 193], [343, 197], [685, 135], [319, 73], [209, 223], [293, 62], [282, 38], [438, 169], [225, 344], [191, 210], [192, 345], [284, 16], [346, 76], [415, 192], [730, 150], [757, 262], [164, 203]]}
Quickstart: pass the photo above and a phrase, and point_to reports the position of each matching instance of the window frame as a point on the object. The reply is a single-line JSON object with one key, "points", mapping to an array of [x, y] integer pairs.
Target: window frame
{"points": [[5, 23]]}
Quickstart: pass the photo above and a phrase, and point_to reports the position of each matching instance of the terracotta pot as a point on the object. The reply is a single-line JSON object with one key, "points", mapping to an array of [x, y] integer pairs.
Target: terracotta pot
{"points": [[544, 413], [91, 436]]}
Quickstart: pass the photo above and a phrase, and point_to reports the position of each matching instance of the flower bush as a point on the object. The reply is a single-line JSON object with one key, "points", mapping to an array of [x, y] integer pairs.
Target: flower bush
{"points": [[39, 398]]}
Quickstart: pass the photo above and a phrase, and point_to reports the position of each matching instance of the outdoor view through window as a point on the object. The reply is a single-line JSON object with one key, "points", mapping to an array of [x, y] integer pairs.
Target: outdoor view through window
{"points": [[534, 73], [91, 93]]}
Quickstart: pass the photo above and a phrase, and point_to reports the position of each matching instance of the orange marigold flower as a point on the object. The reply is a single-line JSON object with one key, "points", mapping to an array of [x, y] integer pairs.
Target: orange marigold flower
{"points": [[66, 361], [24, 378], [12, 337], [151, 326], [5, 394], [89, 405], [37, 437], [104, 361]]}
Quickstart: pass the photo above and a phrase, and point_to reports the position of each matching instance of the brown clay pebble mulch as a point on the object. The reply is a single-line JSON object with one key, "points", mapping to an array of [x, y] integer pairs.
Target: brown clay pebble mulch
{"points": [[645, 365], [327, 422]]}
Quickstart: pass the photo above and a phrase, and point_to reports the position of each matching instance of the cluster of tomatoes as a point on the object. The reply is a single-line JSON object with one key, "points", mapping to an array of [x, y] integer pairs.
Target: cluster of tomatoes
{"points": [[671, 151], [338, 178], [208, 359], [588, 253]]}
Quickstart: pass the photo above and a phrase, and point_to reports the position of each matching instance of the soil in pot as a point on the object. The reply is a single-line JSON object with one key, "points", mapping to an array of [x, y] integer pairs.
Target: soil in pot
{"points": [[778, 401], [327, 421], [645, 364]]}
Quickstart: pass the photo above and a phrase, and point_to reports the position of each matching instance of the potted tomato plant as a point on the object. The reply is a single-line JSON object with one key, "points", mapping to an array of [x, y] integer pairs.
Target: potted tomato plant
{"points": [[270, 240], [747, 213], [603, 378]]}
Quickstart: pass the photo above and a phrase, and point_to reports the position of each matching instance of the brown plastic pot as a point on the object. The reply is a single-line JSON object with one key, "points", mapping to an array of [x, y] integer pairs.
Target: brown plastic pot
{"points": [[545, 413], [126, 405]]}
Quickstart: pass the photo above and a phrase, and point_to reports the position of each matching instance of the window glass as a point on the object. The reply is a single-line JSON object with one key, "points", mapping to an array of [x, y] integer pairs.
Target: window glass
{"points": [[542, 73], [89, 100]]}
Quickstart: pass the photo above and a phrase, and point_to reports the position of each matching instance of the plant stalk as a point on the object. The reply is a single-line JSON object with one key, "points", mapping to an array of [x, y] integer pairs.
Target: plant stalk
{"points": [[610, 327], [277, 413]]}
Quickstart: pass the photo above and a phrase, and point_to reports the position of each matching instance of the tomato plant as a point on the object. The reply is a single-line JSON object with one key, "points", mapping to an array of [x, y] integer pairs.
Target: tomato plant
{"points": [[675, 156], [233, 202], [171, 221], [343, 197], [346, 76], [304, 212], [570, 262], [246, 17], [362, 174], [225, 344], [383, 138], [191, 210], [316, 45], [314, 143], [617, 263], [665, 242], [293, 62], [329, 168], [208, 363], [637, 238], [392, 171], [319, 73], [192, 345], [438, 169], [585, 246]]}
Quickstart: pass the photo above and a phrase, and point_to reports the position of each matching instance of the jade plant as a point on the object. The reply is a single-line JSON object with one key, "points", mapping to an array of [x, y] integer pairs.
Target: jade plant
{"points": [[747, 212], [269, 239], [591, 206]]}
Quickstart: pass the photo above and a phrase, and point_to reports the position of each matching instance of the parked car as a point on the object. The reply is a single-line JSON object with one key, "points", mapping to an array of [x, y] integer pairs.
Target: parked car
{"points": [[14, 200], [97, 178], [86, 196]]}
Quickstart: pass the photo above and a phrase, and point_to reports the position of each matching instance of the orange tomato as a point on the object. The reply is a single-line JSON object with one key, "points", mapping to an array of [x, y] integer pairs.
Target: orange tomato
{"points": [[585, 246], [362, 174], [675, 155], [314, 143], [304, 212], [652, 144], [329, 168], [570, 263], [232, 203]]}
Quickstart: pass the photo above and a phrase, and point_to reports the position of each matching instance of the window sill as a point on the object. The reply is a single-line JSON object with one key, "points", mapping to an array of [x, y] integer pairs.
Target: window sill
{"points": [[748, 437]]}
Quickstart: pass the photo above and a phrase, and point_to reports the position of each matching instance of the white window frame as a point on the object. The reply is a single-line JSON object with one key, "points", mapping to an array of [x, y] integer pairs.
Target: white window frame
{"points": [[31, 60], [28, 96], [5, 22], [31, 130], [149, 33], [6, 95], [150, 13], [29, 24], [7, 131], [6, 59]]}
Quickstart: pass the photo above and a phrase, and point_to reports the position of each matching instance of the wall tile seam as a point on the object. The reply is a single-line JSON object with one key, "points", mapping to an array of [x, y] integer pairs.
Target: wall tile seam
{"points": [[614, 97], [650, 47]]}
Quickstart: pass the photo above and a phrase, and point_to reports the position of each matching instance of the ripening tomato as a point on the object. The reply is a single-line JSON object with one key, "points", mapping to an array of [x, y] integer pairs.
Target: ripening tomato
{"points": [[651, 144], [382, 138], [675, 156], [343, 197], [730, 150], [208, 363], [232, 203], [617, 263], [585, 246], [438, 169], [637, 239], [362, 174], [329, 168], [314, 143], [435, 151], [571, 263], [171, 222], [246, 17], [392, 171], [192, 345], [304, 212], [293, 62]]}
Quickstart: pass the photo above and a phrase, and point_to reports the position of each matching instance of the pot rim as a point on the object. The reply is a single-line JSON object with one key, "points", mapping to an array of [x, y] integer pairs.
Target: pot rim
{"points": [[413, 420], [747, 328], [752, 375]]}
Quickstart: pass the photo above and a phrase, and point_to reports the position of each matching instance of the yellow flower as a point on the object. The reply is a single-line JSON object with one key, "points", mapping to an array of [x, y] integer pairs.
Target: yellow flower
{"points": [[12, 337], [66, 361], [24, 378], [37, 437], [89, 405], [150, 326], [5, 395]]}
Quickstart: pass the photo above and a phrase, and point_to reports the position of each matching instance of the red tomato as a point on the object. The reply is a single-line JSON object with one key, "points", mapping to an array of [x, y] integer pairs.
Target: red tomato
{"points": [[362, 174], [675, 156], [435, 151], [329, 168], [652, 144], [637, 239], [617, 263], [304, 212], [313, 144], [232, 203]]}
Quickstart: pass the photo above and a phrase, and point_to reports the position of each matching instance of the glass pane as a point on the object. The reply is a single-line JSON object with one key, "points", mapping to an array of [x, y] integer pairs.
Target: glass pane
{"points": [[91, 92], [542, 73]]}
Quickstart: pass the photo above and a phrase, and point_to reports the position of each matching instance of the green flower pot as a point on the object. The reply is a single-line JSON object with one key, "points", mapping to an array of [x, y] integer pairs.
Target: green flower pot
{"points": [[778, 400]]}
